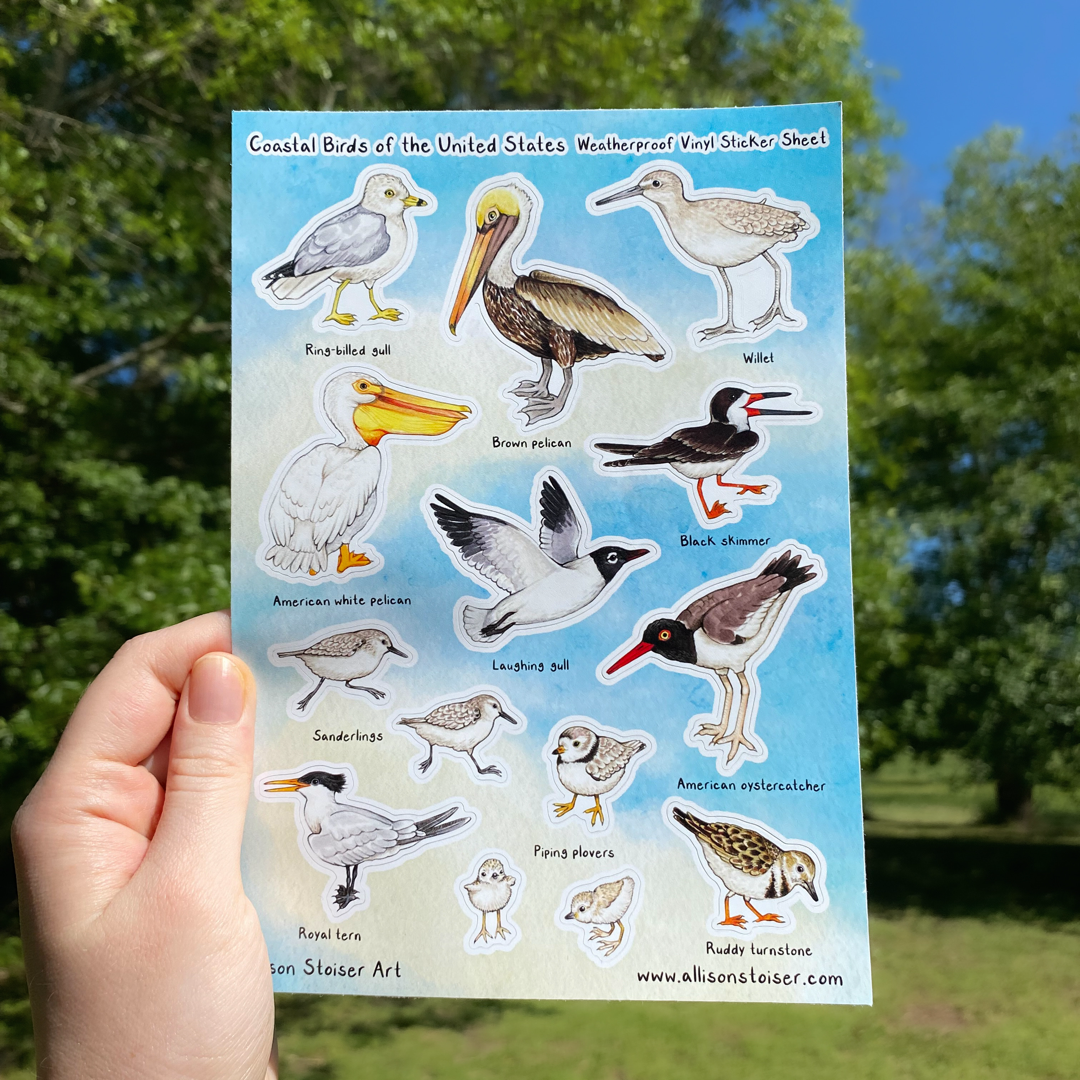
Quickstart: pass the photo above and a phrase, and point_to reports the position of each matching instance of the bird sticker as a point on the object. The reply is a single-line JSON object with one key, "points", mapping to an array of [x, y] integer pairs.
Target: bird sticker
{"points": [[341, 835], [456, 727], [745, 859], [328, 494], [542, 576], [718, 230], [588, 761], [345, 657], [715, 452], [547, 312], [492, 888], [602, 911], [724, 628], [369, 239]]}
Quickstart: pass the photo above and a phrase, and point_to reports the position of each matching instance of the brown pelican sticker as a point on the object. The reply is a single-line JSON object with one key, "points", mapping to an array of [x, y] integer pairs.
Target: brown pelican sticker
{"points": [[549, 313], [709, 457], [722, 629], [725, 233]]}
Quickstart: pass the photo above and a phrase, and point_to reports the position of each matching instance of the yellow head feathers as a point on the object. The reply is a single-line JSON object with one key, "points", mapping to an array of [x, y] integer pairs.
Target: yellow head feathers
{"points": [[495, 202]]}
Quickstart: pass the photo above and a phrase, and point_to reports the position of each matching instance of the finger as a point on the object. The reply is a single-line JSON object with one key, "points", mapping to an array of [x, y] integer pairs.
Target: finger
{"points": [[209, 777], [128, 708]]}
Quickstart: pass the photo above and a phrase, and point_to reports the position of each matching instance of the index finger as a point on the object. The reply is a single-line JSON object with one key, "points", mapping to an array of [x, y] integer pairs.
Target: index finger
{"points": [[128, 709]]}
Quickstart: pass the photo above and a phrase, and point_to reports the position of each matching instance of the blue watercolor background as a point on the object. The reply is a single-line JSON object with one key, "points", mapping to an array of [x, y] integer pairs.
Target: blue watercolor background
{"points": [[807, 713]]}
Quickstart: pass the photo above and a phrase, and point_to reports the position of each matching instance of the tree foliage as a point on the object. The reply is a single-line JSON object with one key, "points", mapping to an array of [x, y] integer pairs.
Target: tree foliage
{"points": [[966, 409], [114, 254]]}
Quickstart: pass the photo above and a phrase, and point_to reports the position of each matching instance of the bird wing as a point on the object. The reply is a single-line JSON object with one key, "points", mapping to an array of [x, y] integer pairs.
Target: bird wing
{"points": [[355, 237], [329, 487], [560, 530], [452, 717], [334, 645], [591, 314], [354, 834], [733, 611], [739, 847], [609, 892], [694, 445], [502, 552], [611, 756], [756, 218]]}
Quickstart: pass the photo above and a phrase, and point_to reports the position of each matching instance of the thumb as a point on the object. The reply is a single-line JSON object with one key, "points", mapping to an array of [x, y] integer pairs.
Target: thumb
{"points": [[209, 777]]}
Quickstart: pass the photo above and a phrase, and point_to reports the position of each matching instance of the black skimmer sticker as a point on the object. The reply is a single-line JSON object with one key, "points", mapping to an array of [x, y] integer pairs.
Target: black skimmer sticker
{"points": [[368, 239], [709, 458], [549, 313], [343, 836], [329, 494], [455, 727], [344, 657], [595, 764], [541, 576], [723, 232], [744, 859], [725, 628]]}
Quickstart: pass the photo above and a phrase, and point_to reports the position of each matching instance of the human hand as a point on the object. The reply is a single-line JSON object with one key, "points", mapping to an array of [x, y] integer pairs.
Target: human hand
{"points": [[144, 956]]}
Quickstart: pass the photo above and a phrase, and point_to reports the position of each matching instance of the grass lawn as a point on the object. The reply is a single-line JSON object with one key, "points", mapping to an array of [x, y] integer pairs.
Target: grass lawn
{"points": [[976, 949], [955, 998], [975, 933]]}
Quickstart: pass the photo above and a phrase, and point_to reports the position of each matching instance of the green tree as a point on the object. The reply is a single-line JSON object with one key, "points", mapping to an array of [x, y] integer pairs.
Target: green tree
{"points": [[966, 408], [114, 254]]}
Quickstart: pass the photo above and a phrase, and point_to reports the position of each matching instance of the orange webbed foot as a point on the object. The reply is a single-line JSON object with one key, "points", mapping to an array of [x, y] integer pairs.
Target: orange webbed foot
{"points": [[348, 559]]}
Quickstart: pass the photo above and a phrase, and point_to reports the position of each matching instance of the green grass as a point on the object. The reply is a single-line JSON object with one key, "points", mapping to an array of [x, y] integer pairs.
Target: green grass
{"points": [[955, 998], [909, 798], [975, 935]]}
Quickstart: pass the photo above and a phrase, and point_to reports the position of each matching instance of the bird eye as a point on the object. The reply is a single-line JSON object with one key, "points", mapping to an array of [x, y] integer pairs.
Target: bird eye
{"points": [[363, 386], [656, 183], [665, 635], [613, 557], [801, 869], [389, 193], [492, 215], [577, 742]]}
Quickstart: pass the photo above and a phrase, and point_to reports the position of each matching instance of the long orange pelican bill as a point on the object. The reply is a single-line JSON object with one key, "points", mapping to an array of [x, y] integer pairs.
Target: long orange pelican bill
{"points": [[394, 412]]}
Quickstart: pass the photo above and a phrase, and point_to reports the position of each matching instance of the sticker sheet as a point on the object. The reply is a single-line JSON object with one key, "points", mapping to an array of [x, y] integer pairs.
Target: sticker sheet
{"points": [[541, 553]]}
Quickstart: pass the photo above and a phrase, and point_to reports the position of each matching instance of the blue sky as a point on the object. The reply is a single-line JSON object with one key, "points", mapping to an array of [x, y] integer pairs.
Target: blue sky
{"points": [[960, 66]]}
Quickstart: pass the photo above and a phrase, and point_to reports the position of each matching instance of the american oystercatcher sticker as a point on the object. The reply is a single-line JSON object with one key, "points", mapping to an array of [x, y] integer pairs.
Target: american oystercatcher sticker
{"points": [[541, 554]]}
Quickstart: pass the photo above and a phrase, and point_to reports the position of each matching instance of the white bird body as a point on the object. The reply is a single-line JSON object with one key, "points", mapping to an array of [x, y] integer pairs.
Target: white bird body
{"points": [[576, 778], [325, 499], [606, 905], [590, 764], [364, 242], [344, 657], [548, 579], [560, 592], [345, 834], [719, 232], [491, 892], [461, 726], [326, 495]]}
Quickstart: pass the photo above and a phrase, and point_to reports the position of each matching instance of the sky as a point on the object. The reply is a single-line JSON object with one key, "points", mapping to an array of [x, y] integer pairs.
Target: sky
{"points": [[959, 66]]}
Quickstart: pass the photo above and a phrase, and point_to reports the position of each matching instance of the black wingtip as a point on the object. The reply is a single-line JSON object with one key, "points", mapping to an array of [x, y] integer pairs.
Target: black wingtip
{"points": [[789, 568]]}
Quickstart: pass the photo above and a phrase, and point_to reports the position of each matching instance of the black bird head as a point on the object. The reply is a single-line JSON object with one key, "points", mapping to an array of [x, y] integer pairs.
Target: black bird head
{"points": [[723, 400], [610, 560], [334, 782], [667, 637]]}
